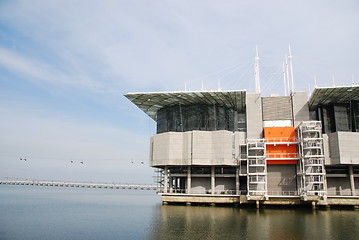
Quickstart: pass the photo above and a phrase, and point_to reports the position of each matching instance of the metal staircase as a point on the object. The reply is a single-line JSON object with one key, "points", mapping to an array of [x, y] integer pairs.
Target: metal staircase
{"points": [[312, 169], [159, 178], [256, 168]]}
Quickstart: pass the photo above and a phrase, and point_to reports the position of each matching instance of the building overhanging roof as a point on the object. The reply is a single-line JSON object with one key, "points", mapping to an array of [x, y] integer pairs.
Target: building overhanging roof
{"points": [[150, 103], [327, 95]]}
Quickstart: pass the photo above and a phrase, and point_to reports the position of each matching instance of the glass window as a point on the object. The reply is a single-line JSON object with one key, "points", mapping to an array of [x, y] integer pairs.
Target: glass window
{"points": [[342, 119], [181, 118]]}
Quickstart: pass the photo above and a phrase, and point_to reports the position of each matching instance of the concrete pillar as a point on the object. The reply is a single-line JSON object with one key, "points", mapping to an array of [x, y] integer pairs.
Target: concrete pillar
{"points": [[165, 188], [171, 183], [189, 178], [213, 180], [351, 177], [237, 181]]}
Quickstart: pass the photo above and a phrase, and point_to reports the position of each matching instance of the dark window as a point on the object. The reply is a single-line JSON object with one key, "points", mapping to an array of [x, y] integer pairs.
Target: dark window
{"points": [[178, 170], [225, 170], [355, 115], [336, 170], [181, 118], [339, 117], [342, 118], [201, 170]]}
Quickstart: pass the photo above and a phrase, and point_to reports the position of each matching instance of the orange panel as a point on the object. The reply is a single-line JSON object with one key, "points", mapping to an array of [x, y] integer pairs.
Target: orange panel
{"points": [[279, 134], [281, 162], [292, 148]]}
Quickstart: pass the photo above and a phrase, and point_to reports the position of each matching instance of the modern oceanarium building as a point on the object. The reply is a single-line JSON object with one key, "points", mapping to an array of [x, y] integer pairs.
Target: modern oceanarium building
{"points": [[239, 147]]}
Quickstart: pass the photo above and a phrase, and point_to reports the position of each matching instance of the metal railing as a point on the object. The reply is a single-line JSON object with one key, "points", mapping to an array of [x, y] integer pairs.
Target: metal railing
{"points": [[344, 193], [256, 161], [281, 139], [282, 193], [203, 191], [282, 155], [257, 179]]}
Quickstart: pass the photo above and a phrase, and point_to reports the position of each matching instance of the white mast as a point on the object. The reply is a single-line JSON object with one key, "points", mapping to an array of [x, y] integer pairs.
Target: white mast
{"points": [[287, 75], [285, 79], [353, 83], [256, 72], [291, 70]]}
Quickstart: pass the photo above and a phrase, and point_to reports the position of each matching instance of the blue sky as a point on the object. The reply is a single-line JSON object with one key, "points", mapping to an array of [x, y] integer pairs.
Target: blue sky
{"points": [[65, 65]]}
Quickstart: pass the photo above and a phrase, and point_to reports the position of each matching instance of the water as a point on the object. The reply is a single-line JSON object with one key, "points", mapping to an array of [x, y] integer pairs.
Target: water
{"points": [[28, 212]]}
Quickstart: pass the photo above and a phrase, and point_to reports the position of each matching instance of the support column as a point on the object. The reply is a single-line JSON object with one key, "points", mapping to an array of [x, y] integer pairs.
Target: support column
{"points": [[189, 178], [171, 183], [351, 178], [213, 180], [165, 188], [237, 181]]}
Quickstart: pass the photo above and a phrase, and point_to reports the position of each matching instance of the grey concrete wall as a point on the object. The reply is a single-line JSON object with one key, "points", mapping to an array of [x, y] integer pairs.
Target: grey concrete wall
{"points": [[254, 116], [338, 186], [334, 153], [327, 158], [225, 184], [344, 147], [281, 177], [196, 148], [201, 185], [300, 107], [170, 149]]}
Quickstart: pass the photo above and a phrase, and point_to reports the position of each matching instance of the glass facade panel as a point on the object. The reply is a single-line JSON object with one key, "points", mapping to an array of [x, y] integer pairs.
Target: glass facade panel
{"points": [[355, 114], [342, 118], [182, 118], [339, 117]]}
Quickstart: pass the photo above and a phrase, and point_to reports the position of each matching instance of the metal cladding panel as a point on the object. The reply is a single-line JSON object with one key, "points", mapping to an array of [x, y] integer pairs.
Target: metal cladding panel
{"points": [[150, 103], [281, 178], [277, 108], [323, 96]]}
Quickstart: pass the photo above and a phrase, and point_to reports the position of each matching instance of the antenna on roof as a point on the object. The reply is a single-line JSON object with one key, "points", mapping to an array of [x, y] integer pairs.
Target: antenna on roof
{"points": [[256, 72], [291, 69], [353, 83], [285, 78], [333, 80]]}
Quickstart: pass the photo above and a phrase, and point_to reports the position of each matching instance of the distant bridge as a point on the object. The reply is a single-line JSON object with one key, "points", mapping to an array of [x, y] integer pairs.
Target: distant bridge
{"points": [[80, 184]]}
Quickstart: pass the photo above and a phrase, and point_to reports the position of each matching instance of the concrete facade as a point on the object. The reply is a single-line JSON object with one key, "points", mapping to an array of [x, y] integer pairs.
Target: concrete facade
{"points": [[254, 112], [300, 108], [343, 148], [205, 148]]}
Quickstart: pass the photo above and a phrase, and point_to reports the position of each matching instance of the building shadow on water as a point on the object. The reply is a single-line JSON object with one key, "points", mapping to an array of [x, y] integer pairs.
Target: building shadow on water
{"points": [[200, 222]]}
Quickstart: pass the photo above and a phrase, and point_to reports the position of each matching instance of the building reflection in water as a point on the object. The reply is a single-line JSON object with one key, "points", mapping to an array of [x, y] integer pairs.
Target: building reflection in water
{"points": [[199, 222]]}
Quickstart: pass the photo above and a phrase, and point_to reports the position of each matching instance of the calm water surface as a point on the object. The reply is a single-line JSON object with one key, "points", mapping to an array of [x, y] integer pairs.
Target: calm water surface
{"points": [[30, 212]]}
